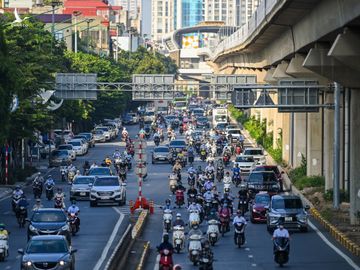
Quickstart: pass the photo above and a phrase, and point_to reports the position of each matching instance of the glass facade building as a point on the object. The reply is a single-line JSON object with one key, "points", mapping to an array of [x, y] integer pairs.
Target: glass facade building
{"points": [[191, 12]]}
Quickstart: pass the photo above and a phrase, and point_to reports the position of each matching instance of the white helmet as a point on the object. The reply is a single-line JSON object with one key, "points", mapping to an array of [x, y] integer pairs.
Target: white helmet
{"points": [[178, 215]]}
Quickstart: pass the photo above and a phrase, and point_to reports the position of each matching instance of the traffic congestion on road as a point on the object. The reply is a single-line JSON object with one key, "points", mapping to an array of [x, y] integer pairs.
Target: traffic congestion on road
{"points": [[218, 201]]}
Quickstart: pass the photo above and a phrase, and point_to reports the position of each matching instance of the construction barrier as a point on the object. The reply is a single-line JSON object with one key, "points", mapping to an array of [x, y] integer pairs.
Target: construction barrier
{"points": [[151, 206]]}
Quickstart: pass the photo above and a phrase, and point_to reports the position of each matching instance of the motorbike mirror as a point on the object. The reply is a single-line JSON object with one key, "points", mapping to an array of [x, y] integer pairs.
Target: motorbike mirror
{"points": [[307, 207], [73, 251], [21, 251]]}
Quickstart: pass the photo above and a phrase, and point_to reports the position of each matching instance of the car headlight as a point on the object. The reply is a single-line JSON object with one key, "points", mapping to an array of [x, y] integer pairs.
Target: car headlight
{"points": [[65, 227], [302, 218], [274, 218], [251, 186], [32, 228], [28, 263], [62, 263]]}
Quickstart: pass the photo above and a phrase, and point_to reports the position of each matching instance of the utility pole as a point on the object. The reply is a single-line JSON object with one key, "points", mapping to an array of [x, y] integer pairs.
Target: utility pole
{"points": [[336, 180], [88, 21], [76, 14]]}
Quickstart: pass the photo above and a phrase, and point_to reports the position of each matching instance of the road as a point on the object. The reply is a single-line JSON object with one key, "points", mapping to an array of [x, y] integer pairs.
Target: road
{"points": [[101, 227], [308, 250]]}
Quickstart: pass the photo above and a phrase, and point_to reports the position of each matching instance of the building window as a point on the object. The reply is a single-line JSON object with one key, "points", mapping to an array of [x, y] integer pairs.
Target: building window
{"points": [[159, 31]]}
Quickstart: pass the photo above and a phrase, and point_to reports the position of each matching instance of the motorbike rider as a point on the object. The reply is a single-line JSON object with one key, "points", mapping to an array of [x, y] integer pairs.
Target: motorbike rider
{"points": [[227, 179], [167, 205], [124, 132], [225, 211], [208, 184], [18, 192], [210, 167], [206, 251], [74, 209], [86, 166], [227, 199], [37, 205], [177, 166], [117, 154], [191, 154], [165, 244], [194, 207], [208, 195], [50, 181], [239, 219], [22, 203], [93, 165], [178, 221], [195, 230], [241, 140], [107, 161], [281, 232], [243, 194], [60, 195]]}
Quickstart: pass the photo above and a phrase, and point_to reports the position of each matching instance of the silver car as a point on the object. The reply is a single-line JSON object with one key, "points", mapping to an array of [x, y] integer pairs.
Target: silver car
{"points": [[70, 148], [107, 189], [160, 154], [80, 188]]}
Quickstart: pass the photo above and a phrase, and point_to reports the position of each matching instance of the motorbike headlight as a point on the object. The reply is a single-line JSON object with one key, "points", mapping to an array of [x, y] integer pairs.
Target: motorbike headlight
{"points": [[65, 227], [194, 252], [32, 228]]}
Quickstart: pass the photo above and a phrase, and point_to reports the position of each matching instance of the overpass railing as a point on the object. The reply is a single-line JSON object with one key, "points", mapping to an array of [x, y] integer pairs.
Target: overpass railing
{"points": [[246, 30]]}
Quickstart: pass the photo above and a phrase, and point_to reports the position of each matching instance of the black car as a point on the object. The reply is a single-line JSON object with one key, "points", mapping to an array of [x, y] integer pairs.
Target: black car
{"points": [[202, 121], [177, 144], [262, 181], [48, 252], [48, 221]]}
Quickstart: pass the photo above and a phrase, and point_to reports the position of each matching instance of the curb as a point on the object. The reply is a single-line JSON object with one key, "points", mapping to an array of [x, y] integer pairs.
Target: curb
{"points": [[139, 224], [143, 256], [339, 236]]}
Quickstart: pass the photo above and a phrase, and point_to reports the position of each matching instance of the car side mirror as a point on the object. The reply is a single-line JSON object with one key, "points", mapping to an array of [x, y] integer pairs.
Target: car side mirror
{"points": [[73, 251], [20, 251]]}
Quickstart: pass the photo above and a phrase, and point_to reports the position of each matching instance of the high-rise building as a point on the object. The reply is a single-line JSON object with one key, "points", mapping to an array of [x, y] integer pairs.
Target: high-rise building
{"points": [[162, 19], [132, 6], [220, 10], [245, 9], [189, 13]]}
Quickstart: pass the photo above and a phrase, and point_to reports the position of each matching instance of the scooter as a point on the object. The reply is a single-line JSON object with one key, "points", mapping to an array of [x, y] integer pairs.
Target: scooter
{"points": [[220, 173], [4, 247], [194, 248], [239, 234], [203, 154], [15, 201], [58, 203], [167, 218], [73, 222], [49, 191], [172, 185], [22, 216], [166, 261], [191, 180], [224, 223], [236, 179], [71, 175], [243, 205], [157, 141], [226, 159], [213, 231], [63, 171], [206, 261], [180, 198], [210, 175], [194, 218], [281, 250], [37, 191], [122, 174], [178, 238], [191, 198]]}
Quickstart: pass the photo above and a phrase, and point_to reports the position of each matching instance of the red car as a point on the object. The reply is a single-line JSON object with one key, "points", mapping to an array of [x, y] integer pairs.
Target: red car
{"points": [[258, 207], [273, 168]]}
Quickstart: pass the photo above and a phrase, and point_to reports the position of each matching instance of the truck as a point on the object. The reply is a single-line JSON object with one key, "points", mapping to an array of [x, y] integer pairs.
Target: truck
{"points": [[220, 115], [158, 106]]}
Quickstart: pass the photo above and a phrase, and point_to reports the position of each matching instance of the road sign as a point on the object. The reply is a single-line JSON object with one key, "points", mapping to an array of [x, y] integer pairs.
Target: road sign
{"points": [[76, 86], [153, 87], [242, 97], [223, 85]]}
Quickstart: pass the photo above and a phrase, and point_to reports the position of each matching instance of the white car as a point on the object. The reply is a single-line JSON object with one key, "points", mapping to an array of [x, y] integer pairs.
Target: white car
{"points": [[246, 163], [107, 132], [79, 147], [107, 189], [257, 153], [99, 136], [70, 149], [149, 116], [234, 132], [67, 134]]}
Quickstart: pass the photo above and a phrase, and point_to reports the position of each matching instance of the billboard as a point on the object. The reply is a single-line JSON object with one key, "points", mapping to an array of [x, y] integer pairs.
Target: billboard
{"points": [[76, 86], [191, 41]]}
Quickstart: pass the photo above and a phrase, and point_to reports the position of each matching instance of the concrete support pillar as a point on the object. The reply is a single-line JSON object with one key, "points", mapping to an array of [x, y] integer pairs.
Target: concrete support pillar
{"points": [[300, 138], [354, 157], [286, 136], [328, 142], [314, 144]]}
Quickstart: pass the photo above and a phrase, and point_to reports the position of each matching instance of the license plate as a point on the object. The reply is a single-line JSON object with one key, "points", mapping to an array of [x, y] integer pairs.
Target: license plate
{"points": [[82, 193], [105, 197], [288, 218], [161, 158]]}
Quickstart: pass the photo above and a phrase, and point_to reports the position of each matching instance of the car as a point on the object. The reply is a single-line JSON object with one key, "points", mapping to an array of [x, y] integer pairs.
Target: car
{"points": [[259, 206], [66, 134], [198, 112], [262, 181], [234, 133], [99, 136], [47, 252], [161, 154], [83, 138], [89, 137], [135, 117], [80, 188], [79, 147], [246, 163], [274, 168], [44, 151], [58, 156], [177, 144], [289, 210], [99, 171], [107, 189], [112, 129], [202, 122], [149, 116], [127, 119], [107, 132], [70, 148], [257, 153], [46, 221], [231, 126], [221, 127], [172, 119]]}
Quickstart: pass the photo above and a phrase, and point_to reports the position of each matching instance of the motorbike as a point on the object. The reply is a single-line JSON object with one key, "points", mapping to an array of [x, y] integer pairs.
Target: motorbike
{"points": [[210, 175], [167, 218], [191, 180], [172, 185], [243, 205], [224, 223], [71, 175], [281, 250], [63, 171], [238, 150], [21, 216], [166, 261], [58, 203], [147, 134], [219, 149], [122, 174], [219, 173], [181, 130], [178, 238], [194, 218], [239, 234], [4, 247], [190, 159], [194, 248], [49, 189], [15, 200], [37, 190], [226, 159], [128, 162], [157, 141], [213, 231], [207, 207], [179, 198], [203, 154], [191, 198], [73, 223], [236, 179], [206, 261]]}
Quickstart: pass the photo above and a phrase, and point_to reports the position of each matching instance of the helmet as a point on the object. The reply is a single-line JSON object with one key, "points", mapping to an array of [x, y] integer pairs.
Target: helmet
{"points": [[236, 164], [49, 176], [166, 237], [227, 173], [178, 215], [177, 267], [193, 203], [2, 226], [38, 200], [167, 201], [205, 244], [242, 186], [39, 173], [17, 187]]}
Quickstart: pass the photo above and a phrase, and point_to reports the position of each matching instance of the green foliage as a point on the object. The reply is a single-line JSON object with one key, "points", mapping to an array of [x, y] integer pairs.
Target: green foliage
{"points": [[300, 171], [344, 195], [20, 175], [238, 115]]}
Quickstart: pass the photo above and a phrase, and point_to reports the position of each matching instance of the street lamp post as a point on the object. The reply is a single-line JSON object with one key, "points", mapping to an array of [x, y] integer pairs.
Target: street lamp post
{"points": [[76, 13], [88, 21], [53, 5]]}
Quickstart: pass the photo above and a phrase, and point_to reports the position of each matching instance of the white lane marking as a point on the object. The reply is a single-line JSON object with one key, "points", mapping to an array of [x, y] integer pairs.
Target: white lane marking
{"points": [[110, 241], [8, 267], [156, 267], [247, 249], [338, 251], [253, 264], [250, 256]]}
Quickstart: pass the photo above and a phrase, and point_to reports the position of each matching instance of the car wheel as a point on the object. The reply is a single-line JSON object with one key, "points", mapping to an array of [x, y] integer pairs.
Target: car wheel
{"points": [[303, 229], [93, 204]]}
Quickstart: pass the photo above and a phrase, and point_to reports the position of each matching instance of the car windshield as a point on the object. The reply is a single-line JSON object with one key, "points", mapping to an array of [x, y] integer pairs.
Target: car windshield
{"points": [[198, 111], [161, 149], [48, 216], [149, 113], [47, 246], [87, 135], [162, 109], [180, 104], [83, 180], [62, 153], [253, 152], [262, 169], [99, 171], [99, 132], [171, 117], [262, 177], [177, 143], [75, 143], [221, 118], [221, 126], [103, 128], [287, 203], [234, 131], [244, 159], [103, 182], [202, 119], [262, 199], [65, 147]]}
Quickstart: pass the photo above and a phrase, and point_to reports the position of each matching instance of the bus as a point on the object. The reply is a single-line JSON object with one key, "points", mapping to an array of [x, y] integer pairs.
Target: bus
{"points": [[220, 115], [180, 103]]}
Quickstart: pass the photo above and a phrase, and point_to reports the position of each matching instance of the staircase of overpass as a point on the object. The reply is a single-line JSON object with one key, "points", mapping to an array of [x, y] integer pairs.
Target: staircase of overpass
{"points": [[316, 40]]}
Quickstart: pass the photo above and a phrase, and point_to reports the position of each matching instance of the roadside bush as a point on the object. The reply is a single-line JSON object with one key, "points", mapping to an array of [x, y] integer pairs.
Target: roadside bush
{"points": [[309, 181], [344, 195], [19, 175]]}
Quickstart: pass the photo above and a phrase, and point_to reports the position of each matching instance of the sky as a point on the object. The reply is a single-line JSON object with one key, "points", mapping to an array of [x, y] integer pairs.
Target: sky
{"points": [[146, 17]]}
